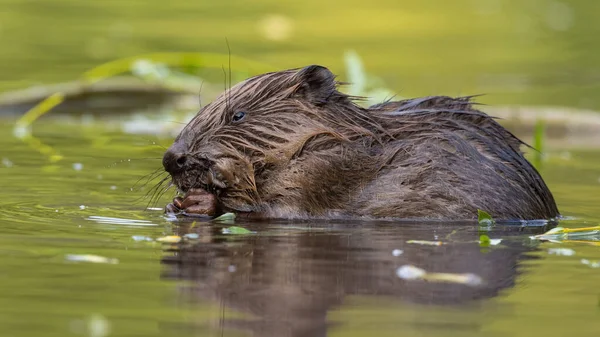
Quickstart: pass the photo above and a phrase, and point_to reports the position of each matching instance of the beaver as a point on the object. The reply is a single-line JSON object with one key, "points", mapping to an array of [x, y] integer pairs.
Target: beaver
{"points": [[289, 144]]}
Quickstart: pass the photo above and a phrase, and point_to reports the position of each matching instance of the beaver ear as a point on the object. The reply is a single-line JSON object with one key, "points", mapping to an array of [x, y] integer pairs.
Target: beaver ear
{"points": [[317, 84]]}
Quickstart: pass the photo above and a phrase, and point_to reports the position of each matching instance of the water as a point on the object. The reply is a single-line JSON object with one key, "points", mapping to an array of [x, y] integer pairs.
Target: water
{"points": [[80, 252], [286, 279]]}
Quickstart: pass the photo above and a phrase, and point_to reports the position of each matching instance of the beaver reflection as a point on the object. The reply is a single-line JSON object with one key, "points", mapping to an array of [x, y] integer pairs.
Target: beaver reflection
{"points": [[288, 282]]}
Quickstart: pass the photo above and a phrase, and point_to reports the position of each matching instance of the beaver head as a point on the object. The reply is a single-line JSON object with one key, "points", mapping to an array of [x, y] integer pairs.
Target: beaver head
{"points": [[232, 146]]}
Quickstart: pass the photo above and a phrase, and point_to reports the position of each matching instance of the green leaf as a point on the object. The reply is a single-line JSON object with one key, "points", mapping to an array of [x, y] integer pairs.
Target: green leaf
{"points": [[484, 241], [484, 218], [236, 230], [225, 217]]}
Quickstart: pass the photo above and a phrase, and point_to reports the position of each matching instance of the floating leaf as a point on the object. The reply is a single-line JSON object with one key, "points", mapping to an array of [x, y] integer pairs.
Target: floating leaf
{"points": [[484, 241], [484, 218], [226, 217], [236, 230]]}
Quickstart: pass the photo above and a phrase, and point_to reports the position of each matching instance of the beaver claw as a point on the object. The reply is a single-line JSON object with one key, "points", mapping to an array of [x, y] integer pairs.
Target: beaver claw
{"points": [[194, 202]]}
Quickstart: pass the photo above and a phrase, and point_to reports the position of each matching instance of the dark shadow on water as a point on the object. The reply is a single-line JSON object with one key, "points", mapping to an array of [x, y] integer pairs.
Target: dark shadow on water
{"points": [[286, 278]]}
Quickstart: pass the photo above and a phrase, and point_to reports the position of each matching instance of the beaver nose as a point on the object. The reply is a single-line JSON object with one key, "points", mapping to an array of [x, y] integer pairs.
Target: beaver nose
{"points": [[174, 159]]}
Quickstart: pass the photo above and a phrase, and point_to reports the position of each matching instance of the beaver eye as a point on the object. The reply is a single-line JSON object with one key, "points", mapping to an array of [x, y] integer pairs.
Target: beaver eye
{"points": [[238, 116]]}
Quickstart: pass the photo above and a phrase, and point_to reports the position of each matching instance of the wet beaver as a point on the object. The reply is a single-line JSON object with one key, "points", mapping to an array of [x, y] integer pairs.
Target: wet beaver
{"points": [[288, 144]]}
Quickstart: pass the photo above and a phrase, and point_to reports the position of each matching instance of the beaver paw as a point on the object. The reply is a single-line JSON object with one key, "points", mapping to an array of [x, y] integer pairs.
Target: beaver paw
{"points": [[194, 202]]}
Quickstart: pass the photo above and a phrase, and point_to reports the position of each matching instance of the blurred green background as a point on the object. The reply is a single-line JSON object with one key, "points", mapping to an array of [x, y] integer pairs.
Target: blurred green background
{"points": [[539, 52]]}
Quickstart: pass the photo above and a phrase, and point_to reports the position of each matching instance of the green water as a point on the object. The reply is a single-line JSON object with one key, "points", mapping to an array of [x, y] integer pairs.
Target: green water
{"points": [[287, 279]]}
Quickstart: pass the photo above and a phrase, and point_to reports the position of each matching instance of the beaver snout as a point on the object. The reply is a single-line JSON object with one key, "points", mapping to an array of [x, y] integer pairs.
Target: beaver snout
{"points": [[175, 159]]}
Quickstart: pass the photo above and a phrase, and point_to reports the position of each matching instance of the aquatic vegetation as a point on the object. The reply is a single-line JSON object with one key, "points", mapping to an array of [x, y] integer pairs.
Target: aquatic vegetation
{"points": [[235, 230]]}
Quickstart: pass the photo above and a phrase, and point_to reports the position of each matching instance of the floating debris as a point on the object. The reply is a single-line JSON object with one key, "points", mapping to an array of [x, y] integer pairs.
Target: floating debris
{"points": [[594, 264], [561, 251], [408, 272], [82, 207], [236, 230], [90, 258], [425, 242], [141, 238], [397, 252], [119, 221], [170, 239], [560, 234], [192, 236]]}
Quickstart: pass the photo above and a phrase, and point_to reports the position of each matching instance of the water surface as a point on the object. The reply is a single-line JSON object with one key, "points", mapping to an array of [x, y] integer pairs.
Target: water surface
{"points": [[286, 279]]}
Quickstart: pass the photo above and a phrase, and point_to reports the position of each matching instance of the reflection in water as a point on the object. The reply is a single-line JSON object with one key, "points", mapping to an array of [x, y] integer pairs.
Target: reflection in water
{"points": [[288, 280]]}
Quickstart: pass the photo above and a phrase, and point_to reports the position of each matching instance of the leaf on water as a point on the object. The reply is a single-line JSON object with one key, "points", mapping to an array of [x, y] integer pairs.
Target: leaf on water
{"points": [[236, 230], [484, 218], [225, 217], [484, 241]]}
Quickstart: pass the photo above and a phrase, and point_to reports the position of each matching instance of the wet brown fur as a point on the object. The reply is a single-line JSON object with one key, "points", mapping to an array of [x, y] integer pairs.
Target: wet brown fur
{"points": [[306, 150]]}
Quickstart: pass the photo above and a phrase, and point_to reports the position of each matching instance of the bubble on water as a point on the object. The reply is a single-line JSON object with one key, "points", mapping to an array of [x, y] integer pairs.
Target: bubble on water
{"points": [[231, 268], [397, 252], [6, 162], [78, 166]]}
